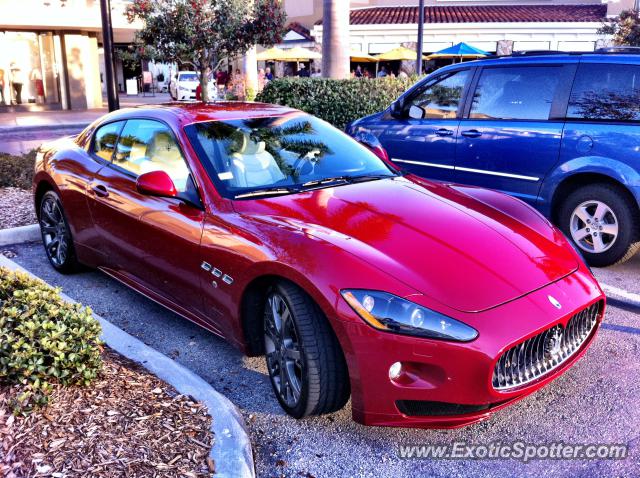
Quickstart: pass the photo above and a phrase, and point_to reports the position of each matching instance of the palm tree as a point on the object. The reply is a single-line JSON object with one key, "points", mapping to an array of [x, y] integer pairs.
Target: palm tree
{"points": [[335, 38]]}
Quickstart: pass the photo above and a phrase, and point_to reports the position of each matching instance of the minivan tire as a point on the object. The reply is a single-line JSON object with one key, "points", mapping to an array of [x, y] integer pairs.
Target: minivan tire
{"points": [[626, 212]]}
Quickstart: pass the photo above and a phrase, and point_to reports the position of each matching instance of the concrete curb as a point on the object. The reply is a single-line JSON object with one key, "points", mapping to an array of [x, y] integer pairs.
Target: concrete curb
{"points": [[615, 294], [34, 128], [231, 452], [16, 235]]}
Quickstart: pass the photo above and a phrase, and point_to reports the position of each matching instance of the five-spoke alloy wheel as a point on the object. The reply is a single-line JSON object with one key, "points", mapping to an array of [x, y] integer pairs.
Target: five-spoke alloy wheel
{"points": [[56, 235], [305, 362], [603, 222]]}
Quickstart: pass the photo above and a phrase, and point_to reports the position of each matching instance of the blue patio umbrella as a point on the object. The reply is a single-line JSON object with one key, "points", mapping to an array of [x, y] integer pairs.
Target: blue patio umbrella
{"points": [[461, 50]]}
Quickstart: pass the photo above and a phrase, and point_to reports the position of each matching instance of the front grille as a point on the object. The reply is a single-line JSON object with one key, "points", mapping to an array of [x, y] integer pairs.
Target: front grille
{"points": [[538, 355], [419, 408]]}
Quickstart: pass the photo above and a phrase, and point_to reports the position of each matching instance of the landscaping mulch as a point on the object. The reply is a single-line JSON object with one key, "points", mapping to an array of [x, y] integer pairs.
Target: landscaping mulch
{"points": [[128, 423], [16, 207]]}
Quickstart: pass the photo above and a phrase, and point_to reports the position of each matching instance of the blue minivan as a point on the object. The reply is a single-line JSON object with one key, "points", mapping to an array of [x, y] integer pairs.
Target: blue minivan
{"points": [[560, 131]]}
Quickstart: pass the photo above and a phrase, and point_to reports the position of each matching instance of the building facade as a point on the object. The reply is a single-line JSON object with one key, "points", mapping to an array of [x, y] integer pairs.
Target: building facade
{"points": [[50, 53], [377, 26]]}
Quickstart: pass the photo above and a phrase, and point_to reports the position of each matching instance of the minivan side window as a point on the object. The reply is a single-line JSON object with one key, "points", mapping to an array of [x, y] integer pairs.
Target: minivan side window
{"points": [[521, 93], [605, 92], [104, 142], [441, 98]]}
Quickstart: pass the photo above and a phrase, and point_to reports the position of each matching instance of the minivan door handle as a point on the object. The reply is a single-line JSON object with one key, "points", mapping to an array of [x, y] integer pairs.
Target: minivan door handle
{"points": [[444, 132], [472, 133]]}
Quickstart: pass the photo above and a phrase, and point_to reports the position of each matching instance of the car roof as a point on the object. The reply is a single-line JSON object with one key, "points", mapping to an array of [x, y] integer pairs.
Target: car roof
{"points": [[550, 57], [183, 113]]}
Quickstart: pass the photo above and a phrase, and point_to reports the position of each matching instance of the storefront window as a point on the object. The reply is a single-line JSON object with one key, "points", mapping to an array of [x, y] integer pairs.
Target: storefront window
{"points": [[28, 73]]}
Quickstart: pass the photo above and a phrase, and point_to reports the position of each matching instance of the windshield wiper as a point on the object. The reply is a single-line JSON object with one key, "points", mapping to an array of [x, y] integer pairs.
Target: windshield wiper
{"points": [[346, 179], [317, 182], [267, 192]]}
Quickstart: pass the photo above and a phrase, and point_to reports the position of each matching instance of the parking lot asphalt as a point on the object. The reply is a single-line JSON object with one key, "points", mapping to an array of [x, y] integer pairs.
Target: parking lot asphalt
{"points": [[596, 401]]}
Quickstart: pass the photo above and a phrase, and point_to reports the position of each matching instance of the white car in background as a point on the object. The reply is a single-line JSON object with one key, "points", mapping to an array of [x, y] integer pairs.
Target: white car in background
{"points": [[183, 86]]}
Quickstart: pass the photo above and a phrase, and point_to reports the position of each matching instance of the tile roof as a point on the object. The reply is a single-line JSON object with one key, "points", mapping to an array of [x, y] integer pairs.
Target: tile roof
{"points": [[479, 14], [300, 30]]}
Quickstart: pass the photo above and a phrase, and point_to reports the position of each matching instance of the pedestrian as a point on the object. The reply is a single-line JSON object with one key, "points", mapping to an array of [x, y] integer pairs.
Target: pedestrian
{"points": [[17, 81], [2, 86], [261, 79], [303, 72], [316, 73], [403, 74], [268, 75], [236, 84], [383, 72], [38, 85], [358, 72]]}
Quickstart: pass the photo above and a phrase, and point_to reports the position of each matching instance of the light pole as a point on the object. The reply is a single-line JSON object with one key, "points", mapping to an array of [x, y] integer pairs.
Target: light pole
{"points": [[107, 43], [420, 35]]}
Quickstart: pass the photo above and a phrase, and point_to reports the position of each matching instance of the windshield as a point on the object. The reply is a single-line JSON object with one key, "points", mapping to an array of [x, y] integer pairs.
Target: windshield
{"points": [[188, 77], [281, 155]]}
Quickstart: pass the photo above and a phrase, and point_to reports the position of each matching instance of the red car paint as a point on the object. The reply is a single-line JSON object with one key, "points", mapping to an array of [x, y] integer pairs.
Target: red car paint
{"points": [[478, 256]]}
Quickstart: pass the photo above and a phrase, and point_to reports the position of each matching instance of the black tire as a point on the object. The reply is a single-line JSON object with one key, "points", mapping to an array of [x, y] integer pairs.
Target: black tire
{"points": [[56, 235], [627, 217], [322, 369]]}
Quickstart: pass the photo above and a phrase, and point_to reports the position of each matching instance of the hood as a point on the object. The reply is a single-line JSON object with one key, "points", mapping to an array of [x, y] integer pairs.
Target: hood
{"points": [[444, 243]]}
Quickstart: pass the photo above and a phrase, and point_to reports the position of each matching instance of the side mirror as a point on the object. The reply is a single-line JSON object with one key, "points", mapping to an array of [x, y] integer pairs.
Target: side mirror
{"points": [[397, 108], [156, 183], [373, 143]]}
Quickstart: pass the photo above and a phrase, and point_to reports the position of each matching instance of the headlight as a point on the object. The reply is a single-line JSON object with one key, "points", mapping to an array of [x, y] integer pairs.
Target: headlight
{"points": [[183, 88], [391, 313]]}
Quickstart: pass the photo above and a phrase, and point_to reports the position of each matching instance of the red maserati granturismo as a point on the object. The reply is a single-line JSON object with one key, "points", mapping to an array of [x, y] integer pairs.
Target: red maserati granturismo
{"points": [[428, 304]]}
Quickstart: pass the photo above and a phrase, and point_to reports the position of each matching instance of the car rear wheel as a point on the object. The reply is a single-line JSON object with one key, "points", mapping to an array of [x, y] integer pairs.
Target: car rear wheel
{"points": [[56, 235], [603, 222], [304, 359]]}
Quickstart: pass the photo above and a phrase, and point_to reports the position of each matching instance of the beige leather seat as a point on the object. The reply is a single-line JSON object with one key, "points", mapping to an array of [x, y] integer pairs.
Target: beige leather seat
{"points": [[252, 166], [164, 154]]}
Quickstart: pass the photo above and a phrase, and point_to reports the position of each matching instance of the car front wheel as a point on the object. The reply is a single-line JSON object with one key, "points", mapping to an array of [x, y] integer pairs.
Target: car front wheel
{"points": [[56, 235], [304, 359], [603, 222]]}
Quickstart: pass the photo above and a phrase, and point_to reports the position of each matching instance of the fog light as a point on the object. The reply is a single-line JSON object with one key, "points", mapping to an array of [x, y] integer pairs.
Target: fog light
{"points": [[395, 370]]}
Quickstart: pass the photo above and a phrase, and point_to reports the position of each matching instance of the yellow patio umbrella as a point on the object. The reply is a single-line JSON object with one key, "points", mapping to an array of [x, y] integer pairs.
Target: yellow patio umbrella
{"points": [[361, 57], [400, 53], [290, 54], [269, 54]]}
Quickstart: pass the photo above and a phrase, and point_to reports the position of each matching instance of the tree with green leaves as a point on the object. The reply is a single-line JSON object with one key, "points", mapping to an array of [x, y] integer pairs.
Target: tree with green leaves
{"points": [[625, 28], [203, 33]]}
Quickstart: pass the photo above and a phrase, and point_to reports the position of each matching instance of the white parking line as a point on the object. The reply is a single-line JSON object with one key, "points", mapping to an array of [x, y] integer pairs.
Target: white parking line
{"points": [[621, 294]]}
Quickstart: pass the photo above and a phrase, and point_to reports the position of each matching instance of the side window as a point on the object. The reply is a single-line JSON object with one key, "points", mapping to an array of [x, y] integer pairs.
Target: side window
{"points": [[441, 98], [606, 92], [105, 140], [147, 145], [524, 92]]}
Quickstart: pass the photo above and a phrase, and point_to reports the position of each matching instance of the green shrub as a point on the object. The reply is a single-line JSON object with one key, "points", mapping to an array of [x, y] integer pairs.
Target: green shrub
{"points": [[17, 171], [43, 339], [337, 101]]}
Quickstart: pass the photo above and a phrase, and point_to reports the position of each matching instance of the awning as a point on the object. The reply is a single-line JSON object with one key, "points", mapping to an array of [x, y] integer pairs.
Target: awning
{"points": [[290, 54], [400, 53], [461, 50]]}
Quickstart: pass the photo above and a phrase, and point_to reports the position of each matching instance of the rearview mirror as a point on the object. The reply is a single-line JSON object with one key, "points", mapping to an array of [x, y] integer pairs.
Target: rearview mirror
{"points": [[156, 183]]}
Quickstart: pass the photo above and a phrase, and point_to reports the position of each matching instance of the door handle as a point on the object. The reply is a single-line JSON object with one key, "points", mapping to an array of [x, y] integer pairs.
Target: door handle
{"points": [[444, 132], [472, 133], [100, 190]]}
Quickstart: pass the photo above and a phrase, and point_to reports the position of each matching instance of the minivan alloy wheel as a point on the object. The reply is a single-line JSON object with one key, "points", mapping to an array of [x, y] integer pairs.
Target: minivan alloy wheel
{"points": [[594, 226], [282, 347], [54, 231]]}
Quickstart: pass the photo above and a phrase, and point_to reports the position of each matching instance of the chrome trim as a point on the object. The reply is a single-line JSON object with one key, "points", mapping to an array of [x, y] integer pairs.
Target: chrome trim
{"points": [[421, 163], [495, 173], [542, 353], [467, 170]]}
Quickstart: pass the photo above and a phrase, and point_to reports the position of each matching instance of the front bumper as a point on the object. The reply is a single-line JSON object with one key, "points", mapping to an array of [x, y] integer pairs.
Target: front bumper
{"points": [[448, 384]]}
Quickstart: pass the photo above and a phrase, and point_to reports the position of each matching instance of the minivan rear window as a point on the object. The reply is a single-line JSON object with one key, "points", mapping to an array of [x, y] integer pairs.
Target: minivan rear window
{"points": [[605, 92]]}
